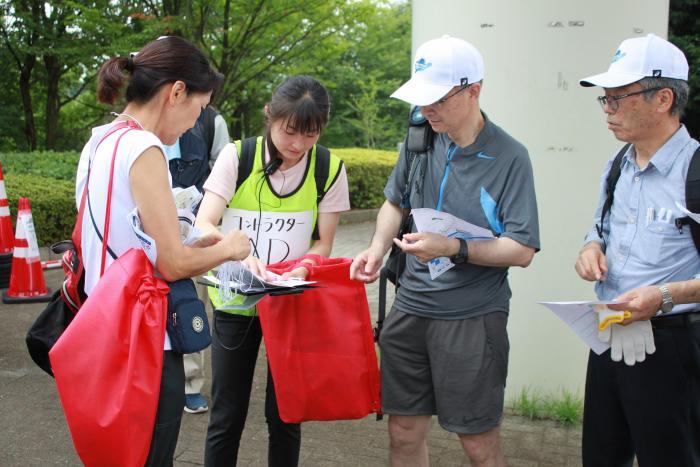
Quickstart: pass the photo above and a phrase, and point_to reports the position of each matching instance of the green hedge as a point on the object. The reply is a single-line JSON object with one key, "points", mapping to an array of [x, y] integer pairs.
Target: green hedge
{"points": [[52, 203], [60, 165], [47, 179], [368, 170]]}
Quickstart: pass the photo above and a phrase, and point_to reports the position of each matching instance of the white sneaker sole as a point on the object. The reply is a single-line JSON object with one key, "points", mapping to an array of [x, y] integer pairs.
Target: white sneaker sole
{"points": [[197, 410]]}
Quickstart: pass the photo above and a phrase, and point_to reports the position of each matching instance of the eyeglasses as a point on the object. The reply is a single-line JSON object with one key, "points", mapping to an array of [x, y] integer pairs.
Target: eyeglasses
{"points": [[611, 101], [439, 102]]}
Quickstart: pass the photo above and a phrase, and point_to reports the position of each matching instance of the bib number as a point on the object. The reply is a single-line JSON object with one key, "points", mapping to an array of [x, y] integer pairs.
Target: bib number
{"points": [[274, 236]]}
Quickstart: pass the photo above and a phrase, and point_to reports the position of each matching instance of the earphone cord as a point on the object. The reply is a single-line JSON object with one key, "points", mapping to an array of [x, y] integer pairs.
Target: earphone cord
{"points": [[245, 334]]}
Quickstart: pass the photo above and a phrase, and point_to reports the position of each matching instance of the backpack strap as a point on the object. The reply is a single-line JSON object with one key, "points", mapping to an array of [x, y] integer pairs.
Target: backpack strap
{"points": [[321, 173], [246, 157], [209, 127], [610, 183], [692, 198]]}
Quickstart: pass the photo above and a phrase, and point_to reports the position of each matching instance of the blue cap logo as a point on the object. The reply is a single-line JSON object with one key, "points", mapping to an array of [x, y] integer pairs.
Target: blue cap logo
{"points": [[618, 55], [421, 65]]}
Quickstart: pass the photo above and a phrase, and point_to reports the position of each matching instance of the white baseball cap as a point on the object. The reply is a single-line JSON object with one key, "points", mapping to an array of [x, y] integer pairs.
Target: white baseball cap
{"points": [[440, 65], [641, 57]]}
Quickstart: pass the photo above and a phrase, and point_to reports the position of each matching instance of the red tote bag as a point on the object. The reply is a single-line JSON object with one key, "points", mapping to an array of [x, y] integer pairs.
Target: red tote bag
{"points": [[108, 364], [320, 347]]}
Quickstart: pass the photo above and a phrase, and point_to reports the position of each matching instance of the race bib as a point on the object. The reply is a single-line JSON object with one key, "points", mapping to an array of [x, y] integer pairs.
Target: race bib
{"points": [[274, 236]]}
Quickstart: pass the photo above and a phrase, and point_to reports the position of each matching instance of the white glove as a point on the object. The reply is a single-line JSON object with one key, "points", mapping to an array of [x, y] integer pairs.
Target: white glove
{"points": [[633, 341]]}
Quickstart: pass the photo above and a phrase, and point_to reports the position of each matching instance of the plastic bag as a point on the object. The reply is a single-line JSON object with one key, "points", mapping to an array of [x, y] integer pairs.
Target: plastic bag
{"points": [[320, 347], [108, 364]]}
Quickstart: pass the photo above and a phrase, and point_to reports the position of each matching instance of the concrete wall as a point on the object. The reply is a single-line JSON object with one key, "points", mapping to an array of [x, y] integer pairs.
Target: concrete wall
{"points": [[535, 51]]}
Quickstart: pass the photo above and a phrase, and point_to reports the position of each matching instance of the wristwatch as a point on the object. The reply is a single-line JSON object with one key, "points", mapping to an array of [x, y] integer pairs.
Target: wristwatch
{"points": [[463, 254], [666, 299]]}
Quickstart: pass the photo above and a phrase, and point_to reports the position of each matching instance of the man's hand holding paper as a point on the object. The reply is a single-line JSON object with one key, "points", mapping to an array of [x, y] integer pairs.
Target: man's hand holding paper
{"points": [[425, 245]]}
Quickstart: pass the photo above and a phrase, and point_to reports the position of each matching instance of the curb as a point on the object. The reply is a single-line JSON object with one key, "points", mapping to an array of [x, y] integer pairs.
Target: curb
{"points": [[356, 216]]}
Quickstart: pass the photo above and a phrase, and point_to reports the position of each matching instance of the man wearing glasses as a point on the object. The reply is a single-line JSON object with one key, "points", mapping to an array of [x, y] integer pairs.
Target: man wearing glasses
{"points": [[642, 253], [444, 346]]}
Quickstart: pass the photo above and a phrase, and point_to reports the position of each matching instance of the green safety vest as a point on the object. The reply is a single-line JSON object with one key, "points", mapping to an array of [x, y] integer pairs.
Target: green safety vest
{"points": [[260, 203]]}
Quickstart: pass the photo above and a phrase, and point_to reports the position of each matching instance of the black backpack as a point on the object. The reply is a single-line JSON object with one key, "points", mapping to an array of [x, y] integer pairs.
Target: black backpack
{"points": [[192, 168], [692, 194], [419, 140]]}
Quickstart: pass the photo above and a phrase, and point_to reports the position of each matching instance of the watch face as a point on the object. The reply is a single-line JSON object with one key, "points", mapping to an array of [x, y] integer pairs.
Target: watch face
{"points": [[666, 306]]}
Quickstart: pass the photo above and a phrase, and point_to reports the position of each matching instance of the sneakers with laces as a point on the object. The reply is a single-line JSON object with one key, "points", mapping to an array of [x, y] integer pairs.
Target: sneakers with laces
{"points": [[195, 403]]}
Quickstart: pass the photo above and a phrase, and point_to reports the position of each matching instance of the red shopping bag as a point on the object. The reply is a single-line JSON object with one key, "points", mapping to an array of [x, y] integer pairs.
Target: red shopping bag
{"points": [[108, 364], [320, 347]]}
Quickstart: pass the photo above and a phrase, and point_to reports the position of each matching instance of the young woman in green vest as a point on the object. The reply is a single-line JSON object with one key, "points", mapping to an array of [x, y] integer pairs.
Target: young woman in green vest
{"points": [[276, 205]]}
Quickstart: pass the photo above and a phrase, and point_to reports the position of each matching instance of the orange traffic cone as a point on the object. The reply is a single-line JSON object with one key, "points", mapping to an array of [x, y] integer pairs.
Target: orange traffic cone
{"points": [[27, 279], [7, 236]]}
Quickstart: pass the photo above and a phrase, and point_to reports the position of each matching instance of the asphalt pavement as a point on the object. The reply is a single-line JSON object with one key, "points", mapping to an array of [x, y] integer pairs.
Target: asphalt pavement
{"points": [[33, 431]]}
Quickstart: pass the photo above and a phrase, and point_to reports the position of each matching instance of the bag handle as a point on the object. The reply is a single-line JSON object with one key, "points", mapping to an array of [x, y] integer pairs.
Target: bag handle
{"points": [[131, 126], [78, 227]]}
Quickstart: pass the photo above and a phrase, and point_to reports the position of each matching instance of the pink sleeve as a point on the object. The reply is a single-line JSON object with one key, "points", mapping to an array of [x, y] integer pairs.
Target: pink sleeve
{"points": [[222, 179], [337, 198]]}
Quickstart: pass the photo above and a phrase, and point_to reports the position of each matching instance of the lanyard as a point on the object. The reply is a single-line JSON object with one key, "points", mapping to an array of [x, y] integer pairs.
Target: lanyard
{"points": [[450, 153]]}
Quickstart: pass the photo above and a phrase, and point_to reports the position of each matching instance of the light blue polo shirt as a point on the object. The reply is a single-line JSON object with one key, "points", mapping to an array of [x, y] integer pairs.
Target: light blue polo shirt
{"points": [[644, 246]]}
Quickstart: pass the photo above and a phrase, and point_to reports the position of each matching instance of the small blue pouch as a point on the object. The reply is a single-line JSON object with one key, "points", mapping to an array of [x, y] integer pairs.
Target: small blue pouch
{"points": [[187, 323]]}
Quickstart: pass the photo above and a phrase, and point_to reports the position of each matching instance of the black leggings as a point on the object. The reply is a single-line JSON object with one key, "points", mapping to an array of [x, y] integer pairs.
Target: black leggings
{"points": [[169, 414], [232, 379]]}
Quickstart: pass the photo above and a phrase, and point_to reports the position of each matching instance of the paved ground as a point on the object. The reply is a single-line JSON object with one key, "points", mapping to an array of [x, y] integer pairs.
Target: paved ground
{"points": [[33, 431]]}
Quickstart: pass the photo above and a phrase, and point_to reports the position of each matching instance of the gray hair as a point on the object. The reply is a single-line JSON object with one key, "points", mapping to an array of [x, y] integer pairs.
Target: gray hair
{"points": [[678, 86]]}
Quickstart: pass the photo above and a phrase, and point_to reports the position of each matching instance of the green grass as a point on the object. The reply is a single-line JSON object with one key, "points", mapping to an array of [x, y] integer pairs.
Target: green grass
{"points": [[562, 406]]}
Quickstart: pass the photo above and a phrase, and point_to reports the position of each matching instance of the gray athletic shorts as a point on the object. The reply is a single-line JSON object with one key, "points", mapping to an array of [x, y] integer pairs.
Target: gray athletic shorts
{"points": [[455, 369]]}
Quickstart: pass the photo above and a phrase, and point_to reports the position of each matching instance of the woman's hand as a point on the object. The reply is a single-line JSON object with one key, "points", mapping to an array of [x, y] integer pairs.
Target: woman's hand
{"points": [[238, 245], [300, 273], [210, 236], [256, 266]]}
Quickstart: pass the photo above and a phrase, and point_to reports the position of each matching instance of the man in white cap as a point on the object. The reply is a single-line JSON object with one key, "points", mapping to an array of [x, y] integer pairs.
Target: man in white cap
{"points": [[444, 346], [641, 252]]}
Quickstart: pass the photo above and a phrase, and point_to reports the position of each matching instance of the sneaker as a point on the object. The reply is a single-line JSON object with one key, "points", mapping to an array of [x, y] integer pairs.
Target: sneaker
{"points": [[195, 403]]}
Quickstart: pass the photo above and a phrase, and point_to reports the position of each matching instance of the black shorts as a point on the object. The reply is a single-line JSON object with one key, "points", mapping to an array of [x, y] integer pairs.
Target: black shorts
{"points": [[455, 369]]}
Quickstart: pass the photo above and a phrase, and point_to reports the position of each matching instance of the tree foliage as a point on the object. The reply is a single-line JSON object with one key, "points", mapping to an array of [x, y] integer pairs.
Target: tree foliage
{"points": [[52, 50], [684, 23]]}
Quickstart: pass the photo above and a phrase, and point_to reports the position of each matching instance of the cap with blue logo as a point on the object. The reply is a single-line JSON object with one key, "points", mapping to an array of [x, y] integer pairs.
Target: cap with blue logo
{"points": [[641, 57], [440, 65]]}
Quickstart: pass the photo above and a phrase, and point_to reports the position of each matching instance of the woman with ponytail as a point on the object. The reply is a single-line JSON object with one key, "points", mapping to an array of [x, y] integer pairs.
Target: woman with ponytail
{"points": [[168, 83]]}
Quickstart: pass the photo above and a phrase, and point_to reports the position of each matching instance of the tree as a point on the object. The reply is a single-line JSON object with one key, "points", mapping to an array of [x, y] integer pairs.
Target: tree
{"points": [[57, 48], [362, 66], [20, 38], [684, 22]]}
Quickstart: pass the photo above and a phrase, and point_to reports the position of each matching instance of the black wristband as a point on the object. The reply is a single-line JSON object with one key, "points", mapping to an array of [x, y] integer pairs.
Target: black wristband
{"points": [[463, 254]]}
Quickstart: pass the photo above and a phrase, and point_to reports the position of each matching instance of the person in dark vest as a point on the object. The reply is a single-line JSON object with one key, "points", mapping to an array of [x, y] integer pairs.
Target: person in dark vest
{"points": [[190, 160]]}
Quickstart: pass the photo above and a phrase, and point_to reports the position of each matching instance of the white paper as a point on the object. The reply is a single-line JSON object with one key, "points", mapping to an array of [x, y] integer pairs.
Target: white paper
{"points": [[147, 243], [250, 283], [187, 198], [430, 220], [274, 236], [189, 234], [582, 318], [692, 215]]}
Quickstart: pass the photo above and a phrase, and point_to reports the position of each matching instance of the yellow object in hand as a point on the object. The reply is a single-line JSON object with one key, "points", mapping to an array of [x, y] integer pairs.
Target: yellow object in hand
{"points": [[607, 317]]}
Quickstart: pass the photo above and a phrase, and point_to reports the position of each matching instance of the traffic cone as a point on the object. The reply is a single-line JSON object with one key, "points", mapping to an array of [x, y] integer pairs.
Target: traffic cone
{"points": [[27, 279], [7, 236]]}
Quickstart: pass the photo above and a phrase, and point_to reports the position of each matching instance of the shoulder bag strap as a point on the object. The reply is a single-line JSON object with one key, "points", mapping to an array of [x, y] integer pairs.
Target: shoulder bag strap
{"points": [[78, 227], [109, 199]]}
